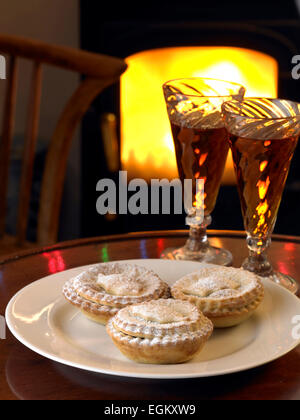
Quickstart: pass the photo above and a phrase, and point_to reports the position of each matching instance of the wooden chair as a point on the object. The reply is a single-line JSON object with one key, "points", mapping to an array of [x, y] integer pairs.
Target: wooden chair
{"points": [[100, 71]]}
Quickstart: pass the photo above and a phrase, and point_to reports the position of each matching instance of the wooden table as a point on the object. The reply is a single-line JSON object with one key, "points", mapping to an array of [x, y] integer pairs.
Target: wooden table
{"points": [[26, 375]]}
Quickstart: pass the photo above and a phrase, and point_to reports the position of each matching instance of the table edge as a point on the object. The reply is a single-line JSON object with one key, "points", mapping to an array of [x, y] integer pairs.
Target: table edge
{"points": [[130, 236]]}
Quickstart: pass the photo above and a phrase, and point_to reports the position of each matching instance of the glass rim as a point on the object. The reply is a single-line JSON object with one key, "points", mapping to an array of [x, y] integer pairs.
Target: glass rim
{"points": [[258, 118], [206, 78]]}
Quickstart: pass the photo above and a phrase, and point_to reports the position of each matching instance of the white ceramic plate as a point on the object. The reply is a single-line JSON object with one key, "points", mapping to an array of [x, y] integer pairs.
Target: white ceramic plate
{"points": [[42, 320]]}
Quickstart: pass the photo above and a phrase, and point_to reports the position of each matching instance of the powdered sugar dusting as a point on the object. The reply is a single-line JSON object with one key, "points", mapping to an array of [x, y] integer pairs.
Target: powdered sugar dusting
{"points": [[161, 311], [202, 334], [121, 284], [210, 285], [218, 282]]}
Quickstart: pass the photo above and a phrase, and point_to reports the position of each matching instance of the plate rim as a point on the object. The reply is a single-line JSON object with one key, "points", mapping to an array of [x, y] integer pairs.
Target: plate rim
{"points": [[112, 372]]}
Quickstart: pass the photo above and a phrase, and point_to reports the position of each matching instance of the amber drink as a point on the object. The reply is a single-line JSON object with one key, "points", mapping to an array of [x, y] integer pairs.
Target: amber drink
{"points": [[263, 135], [262, 168], [201, 154], [201, 145]]}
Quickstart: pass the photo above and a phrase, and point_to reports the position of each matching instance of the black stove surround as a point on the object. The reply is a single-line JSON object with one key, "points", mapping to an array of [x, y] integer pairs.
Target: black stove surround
{"points": [[121, 29]]}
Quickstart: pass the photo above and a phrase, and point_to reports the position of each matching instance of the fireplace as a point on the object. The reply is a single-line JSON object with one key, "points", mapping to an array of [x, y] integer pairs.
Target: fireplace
{"points": [[142, 103], [254, 47]]}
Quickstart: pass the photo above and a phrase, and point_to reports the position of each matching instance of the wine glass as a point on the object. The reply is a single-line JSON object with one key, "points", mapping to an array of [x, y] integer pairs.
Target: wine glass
{"points": [[263, 137], [201, 146]]}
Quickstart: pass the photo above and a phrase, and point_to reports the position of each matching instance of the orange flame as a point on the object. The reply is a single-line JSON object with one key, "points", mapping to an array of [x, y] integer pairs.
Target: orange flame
{"points": [[199, 202], [202, 159], [262, 208], [142, 100], [263, 187], [263, 165]]}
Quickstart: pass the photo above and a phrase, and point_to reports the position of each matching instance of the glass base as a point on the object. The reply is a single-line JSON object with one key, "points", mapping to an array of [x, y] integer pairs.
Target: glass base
{"points": [[211, 255], [259, 264], [284, 280]]}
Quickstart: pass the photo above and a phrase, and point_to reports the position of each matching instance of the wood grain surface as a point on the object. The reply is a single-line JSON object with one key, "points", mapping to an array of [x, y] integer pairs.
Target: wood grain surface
{"points": [[26, 375]]}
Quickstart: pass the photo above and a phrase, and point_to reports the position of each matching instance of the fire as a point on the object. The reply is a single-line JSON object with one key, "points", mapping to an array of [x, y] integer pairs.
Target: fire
{"points": [[147, 149], [263, 187], [263, 165], [199, 202], [202, 159], [262, 208]]}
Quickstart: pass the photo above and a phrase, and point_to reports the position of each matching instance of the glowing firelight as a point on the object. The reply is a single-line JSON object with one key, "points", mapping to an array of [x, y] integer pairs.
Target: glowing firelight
{"points": [[263, 187], [147, 149], [202, 159], [263, 165], [199, 202], [262, 208]]}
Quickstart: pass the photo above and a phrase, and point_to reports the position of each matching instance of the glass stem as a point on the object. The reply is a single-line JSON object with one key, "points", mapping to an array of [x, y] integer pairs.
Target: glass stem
{"points": [[198, 241], [257, 262]]}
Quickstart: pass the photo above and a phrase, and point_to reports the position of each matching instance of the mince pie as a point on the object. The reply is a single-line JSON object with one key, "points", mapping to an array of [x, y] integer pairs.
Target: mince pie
{"points": [[101, 291], [226, 295], [160, 331]]}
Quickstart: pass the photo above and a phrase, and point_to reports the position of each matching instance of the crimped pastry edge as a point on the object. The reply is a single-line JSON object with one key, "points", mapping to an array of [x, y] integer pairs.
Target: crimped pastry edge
{"points": [[158, 351], [124, 322], [92, 310], [103, 298], [218, 306], [225, 318]]}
